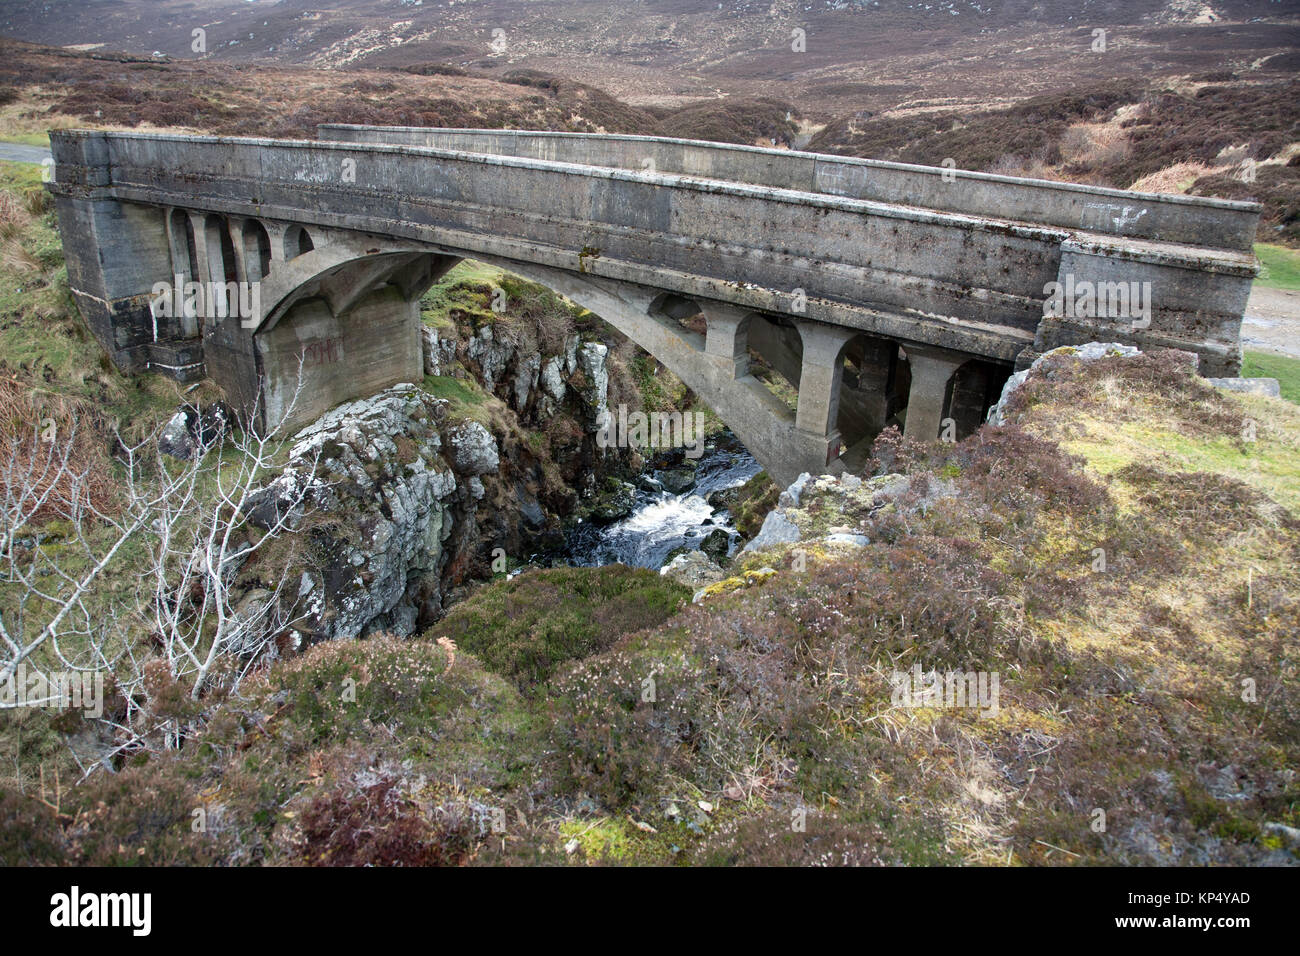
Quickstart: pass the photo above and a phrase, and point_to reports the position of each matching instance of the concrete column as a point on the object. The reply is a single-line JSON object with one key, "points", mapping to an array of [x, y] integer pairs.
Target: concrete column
{"points": [[199, 224], [235, 229], [727, 337], [821, 376], [275, 233], [931, 369]]}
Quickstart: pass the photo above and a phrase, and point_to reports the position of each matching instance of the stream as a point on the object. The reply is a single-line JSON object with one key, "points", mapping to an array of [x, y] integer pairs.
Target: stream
{"points": [[662, 520]]}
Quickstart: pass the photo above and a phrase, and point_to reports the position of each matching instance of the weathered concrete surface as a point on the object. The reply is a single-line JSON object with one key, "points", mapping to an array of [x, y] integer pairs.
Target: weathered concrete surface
{"points": [[1161, 217], [861, 260]]}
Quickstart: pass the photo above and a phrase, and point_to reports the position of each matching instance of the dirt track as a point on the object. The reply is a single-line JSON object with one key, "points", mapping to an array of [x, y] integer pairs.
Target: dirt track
{"points": [[1272, 322]]}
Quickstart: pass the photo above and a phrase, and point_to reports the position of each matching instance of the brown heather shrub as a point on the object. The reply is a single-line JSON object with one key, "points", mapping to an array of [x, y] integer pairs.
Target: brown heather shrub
{"points": [[30, 834], [24, 417], [1201, 506], [144, 815], [1164, 377], [376, 825], [768, 839]]}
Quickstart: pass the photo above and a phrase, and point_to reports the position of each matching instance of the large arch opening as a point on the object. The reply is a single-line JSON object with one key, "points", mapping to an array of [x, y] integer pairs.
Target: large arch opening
{"points": [[343, 330]]}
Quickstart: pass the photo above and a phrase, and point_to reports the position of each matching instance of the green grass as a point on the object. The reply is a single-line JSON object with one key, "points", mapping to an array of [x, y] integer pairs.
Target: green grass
{"points": [[28, 139], [1267, 365], [1280, 266], [466, 287]]}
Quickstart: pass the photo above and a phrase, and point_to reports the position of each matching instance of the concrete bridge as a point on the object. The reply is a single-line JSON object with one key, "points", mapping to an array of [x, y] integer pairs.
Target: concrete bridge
{"points": [[882, 292]]}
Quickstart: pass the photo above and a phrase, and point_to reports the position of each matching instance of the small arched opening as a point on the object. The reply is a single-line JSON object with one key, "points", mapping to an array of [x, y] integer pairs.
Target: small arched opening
{"points": [[297, 242], [184, 249], [775, 355], [869, 390], [257, 250]]}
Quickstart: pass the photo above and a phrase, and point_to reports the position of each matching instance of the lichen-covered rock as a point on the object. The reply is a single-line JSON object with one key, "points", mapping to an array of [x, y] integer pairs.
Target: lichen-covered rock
{"points": [[591, 360], [192, 431], [777, 529], [491, 353], [439, 353], [377, 502], [526, 380], [694, 569], [835, 509], [176, 439], [472, 449], [552, 378]]}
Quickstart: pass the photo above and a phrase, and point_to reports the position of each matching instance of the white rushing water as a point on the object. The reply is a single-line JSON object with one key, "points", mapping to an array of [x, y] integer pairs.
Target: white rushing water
{"points": [[661, 520]]}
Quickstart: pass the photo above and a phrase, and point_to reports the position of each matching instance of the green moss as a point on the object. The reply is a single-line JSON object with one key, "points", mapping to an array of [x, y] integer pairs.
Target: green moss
{"points": [[525, 627]]}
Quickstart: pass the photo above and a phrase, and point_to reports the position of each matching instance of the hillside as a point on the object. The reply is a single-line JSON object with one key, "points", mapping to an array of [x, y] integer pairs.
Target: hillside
{"points": [[373, 642], [1145, 708]]}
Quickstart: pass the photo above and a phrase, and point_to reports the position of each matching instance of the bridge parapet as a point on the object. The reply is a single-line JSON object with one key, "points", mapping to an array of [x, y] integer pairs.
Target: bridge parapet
{"points": [[1158, 217]]}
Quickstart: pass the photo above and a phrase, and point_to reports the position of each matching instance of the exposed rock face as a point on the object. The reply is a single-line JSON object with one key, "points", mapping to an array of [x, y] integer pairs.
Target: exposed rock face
{"points": [[695, 569], [842, 505], [563, 394], [388, 479], [472, 449], [591, 361], [491, 353], [404, 504], [192, 432], [777, 529], [439, 353]]}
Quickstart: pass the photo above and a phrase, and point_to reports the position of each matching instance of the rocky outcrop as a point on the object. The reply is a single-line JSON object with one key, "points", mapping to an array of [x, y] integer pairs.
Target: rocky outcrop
{"points": [[1090, 352], [191, 431], [833, 509], [439, 352], [695, 569], [384, 483]]}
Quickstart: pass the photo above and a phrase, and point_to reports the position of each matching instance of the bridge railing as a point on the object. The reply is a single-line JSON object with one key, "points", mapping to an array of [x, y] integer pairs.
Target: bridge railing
{"points": [[1188, 220]]}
